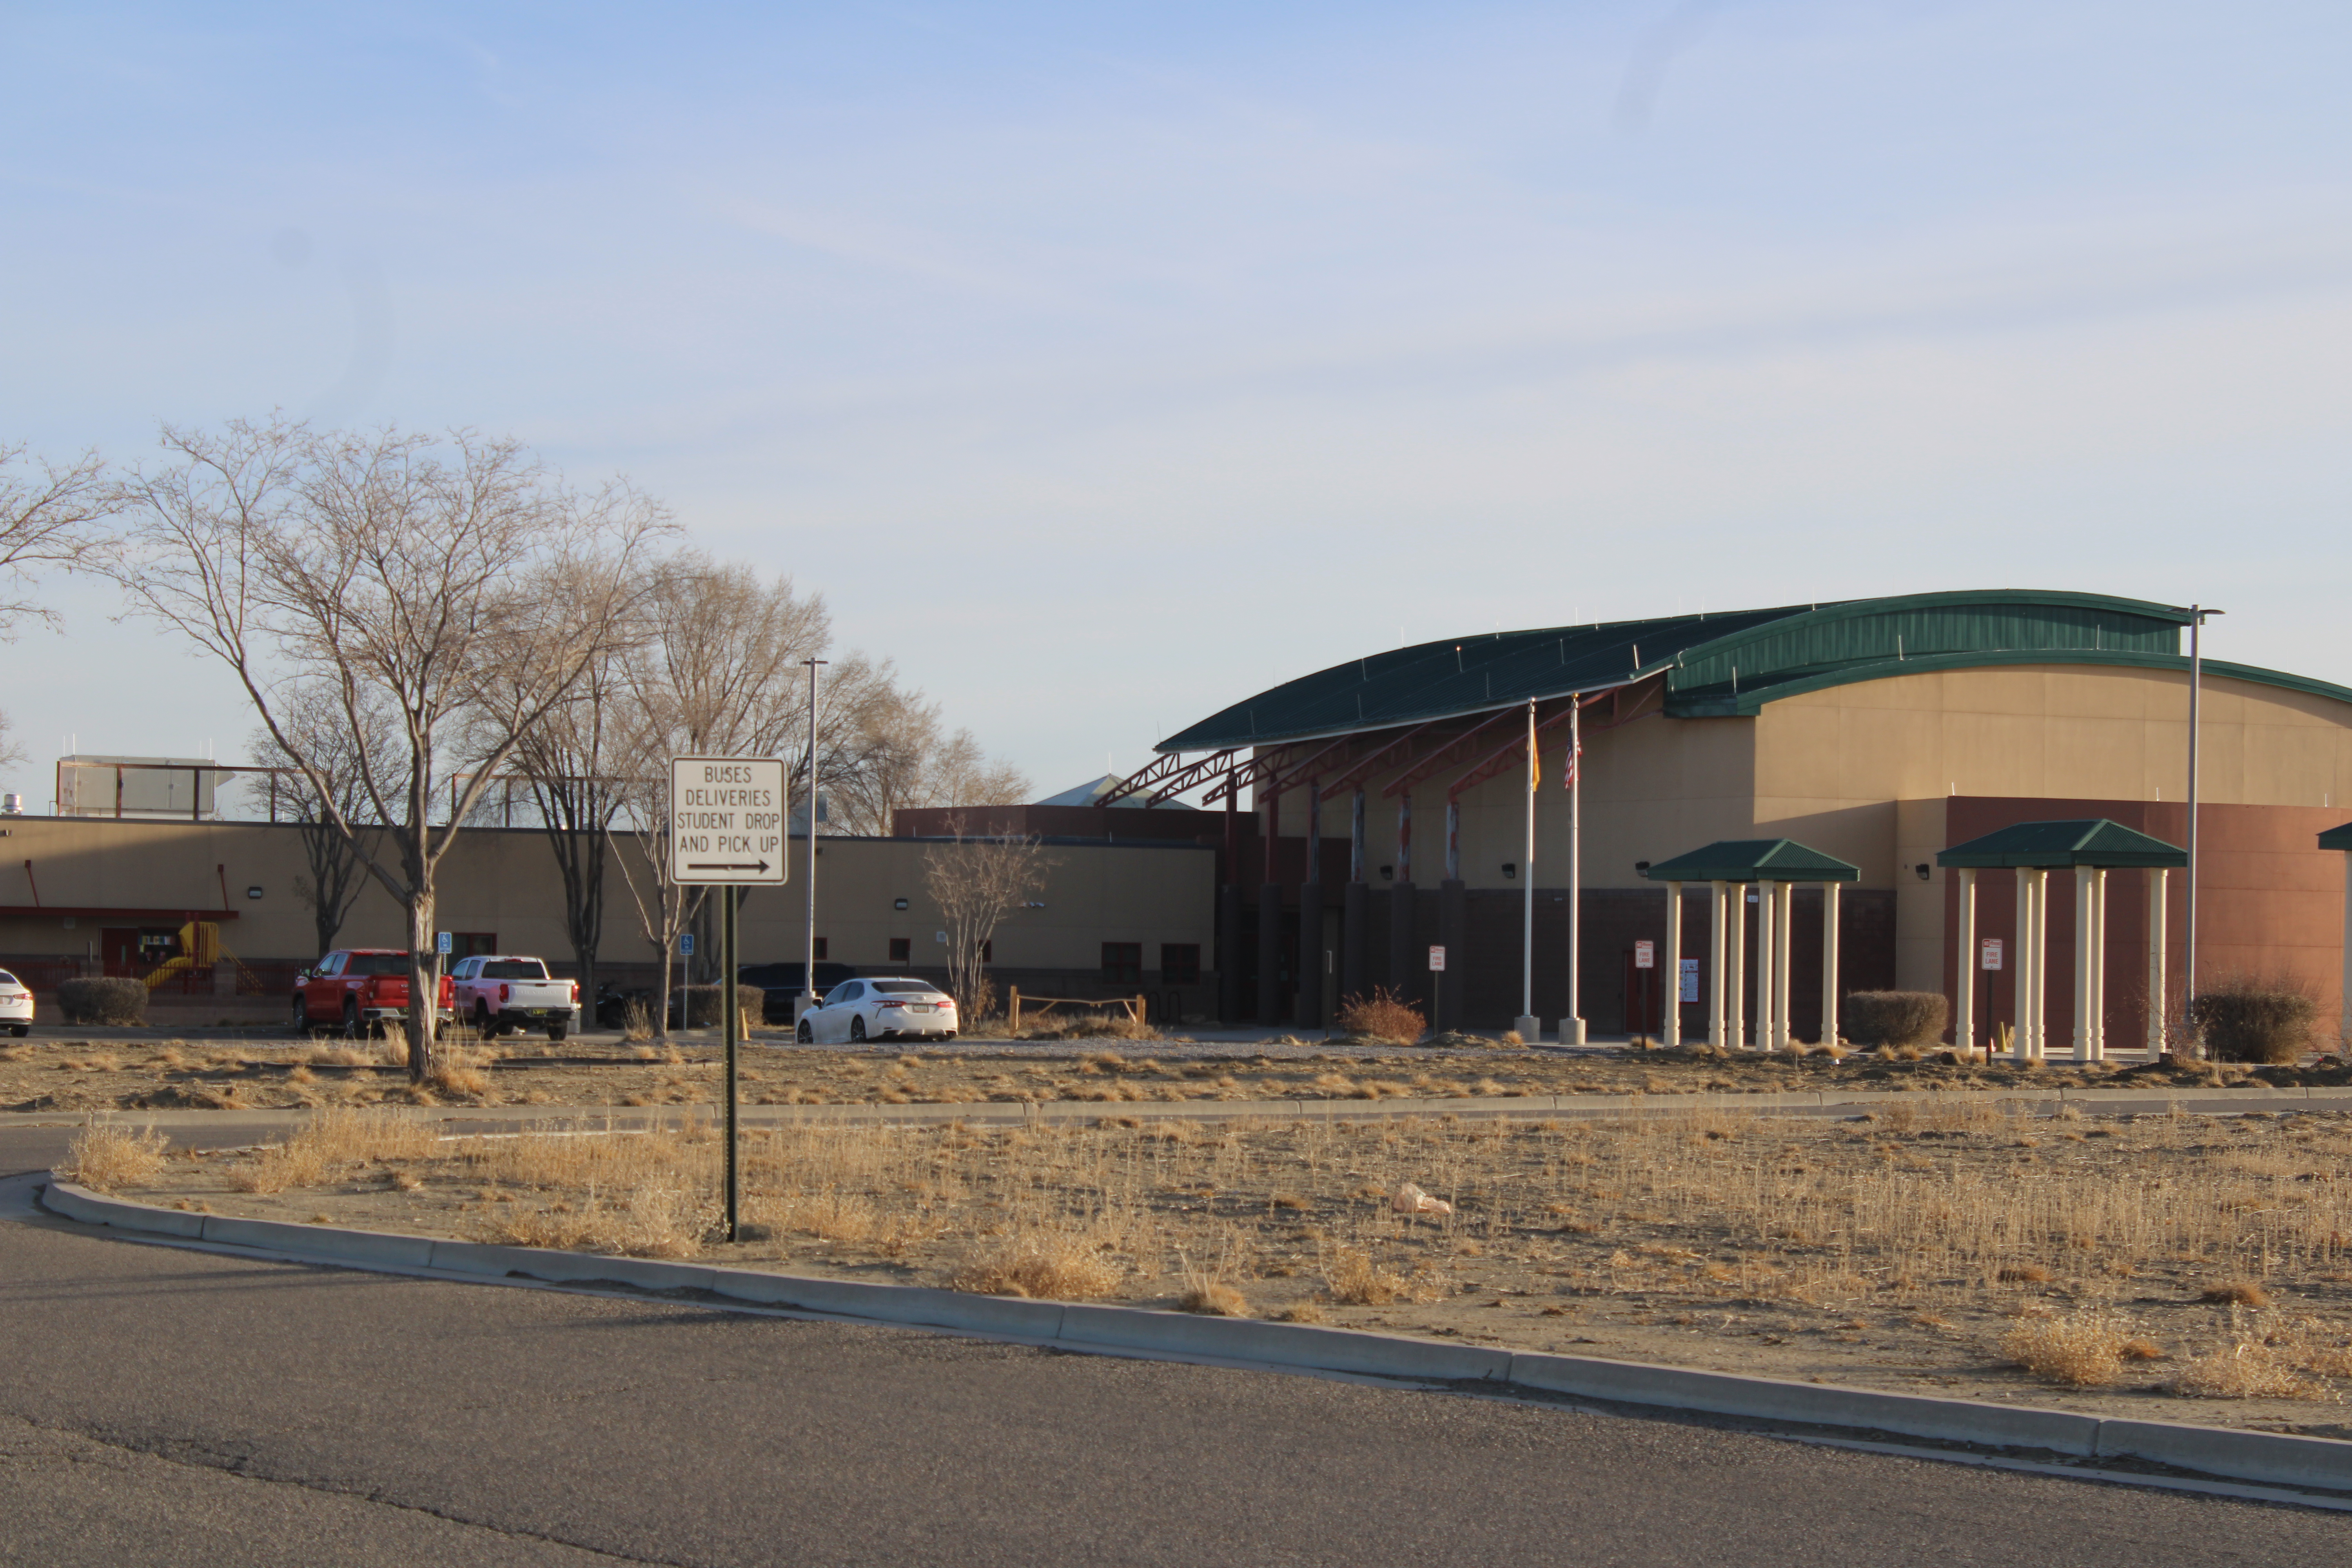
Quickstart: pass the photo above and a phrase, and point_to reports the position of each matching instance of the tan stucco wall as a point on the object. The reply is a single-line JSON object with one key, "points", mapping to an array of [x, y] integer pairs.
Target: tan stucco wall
{"points": [[1861, 772], [505, 881]]}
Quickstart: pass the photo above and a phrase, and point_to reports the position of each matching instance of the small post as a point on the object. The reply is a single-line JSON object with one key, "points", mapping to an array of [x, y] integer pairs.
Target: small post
{"points": [[1137, 1010], [1012, 1010], [731, 1011]]}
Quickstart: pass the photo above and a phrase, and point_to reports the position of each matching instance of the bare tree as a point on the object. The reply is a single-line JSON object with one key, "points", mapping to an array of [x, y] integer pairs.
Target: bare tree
{"points": [[891, 752], [977, 882], [715, 674], [451, 586], [45, 519], [568, 764], [334, 875]]}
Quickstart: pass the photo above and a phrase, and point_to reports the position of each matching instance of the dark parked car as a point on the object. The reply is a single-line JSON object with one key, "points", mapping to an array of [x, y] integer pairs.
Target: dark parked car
{"points": [[782, 982]]}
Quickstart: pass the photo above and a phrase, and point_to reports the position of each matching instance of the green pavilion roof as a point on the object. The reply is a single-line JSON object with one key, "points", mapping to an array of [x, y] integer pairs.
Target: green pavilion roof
{"points": [[1718, 665], [2336, 837], [1754, 860], [2081, 841]]}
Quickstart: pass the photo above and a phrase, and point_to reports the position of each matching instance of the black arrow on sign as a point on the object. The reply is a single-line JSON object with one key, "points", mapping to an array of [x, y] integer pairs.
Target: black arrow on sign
{"points": [[695, 866]]}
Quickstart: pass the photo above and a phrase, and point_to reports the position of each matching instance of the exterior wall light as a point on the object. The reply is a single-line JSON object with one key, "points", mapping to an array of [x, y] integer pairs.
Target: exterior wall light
{"points": [[1510, 870], [1388, 873], [1641, 867], [1925, 870], [253, 893], [897, 903]]}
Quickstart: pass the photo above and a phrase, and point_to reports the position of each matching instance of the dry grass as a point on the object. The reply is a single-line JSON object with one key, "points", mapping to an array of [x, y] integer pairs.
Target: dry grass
{"points": [[2236, 1293], [1050, 1265], [1941, 1224], [107, 1156], [2079, 1352], [2244, 1370]]}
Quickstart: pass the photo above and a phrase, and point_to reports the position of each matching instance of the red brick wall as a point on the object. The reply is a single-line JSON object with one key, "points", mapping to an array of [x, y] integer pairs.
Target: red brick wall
{"points": [[2270, 903]]}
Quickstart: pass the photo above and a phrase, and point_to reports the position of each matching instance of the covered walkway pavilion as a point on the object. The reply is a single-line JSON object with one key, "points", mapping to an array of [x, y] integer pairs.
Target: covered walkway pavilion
{"points": [[1773, 866]]}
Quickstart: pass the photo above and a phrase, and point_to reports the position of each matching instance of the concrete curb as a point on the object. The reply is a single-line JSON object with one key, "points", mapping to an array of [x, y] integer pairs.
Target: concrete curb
{"points": [[2275, 1459]]}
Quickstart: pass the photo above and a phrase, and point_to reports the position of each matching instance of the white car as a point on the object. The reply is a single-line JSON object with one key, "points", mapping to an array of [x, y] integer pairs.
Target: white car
{"points": [[15, 1005], [858, 1010]]}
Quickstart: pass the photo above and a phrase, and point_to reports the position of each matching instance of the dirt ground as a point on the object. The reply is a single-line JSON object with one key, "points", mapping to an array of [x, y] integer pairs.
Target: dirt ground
{"points": [[2175, 1267], [245, 1074]]}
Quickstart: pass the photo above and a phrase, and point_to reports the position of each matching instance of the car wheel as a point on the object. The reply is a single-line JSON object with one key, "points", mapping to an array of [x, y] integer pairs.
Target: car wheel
{"points": [[482, 1024], [804, 1035], [857, 1030], [20, 1030], [351, 1020], [557, 1031], [302, 1017], [949, 1036]]}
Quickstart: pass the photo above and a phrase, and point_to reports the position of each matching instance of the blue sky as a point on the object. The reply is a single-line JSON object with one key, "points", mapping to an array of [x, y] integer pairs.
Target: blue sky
{"points": [[1103, 364]]}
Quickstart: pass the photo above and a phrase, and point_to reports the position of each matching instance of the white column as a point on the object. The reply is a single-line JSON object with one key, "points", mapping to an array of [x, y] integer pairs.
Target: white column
{"points": [[1830, 997], [2086, 929], [1783, 1036], [1720, 917], [2158, 893], [2098, 964], [2021, 970], [2040, 963], [1964, 1008], [1671, 950], [1734, 1021], [1768, 905]]}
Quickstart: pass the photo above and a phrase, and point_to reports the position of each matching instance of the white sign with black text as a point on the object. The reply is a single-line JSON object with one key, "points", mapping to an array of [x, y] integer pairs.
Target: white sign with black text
{"points": [[727, 821]]}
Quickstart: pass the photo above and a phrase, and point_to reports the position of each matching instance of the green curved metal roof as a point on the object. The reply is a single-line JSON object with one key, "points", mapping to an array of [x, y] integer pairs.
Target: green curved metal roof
{"points": [[1720, 666]]}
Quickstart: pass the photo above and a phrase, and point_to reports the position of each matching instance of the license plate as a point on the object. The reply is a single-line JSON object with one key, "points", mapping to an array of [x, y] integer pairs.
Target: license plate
{"points": [[919, 1006]]}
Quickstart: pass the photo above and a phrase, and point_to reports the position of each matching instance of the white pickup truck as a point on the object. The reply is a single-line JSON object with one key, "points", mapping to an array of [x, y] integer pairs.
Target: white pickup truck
{"points": [[498, 992]]}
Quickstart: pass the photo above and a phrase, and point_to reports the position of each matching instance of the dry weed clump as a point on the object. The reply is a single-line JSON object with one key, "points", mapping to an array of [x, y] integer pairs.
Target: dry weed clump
{"points": [[1382, 1016], [335, 1139], [1351, 1279], [1049, 1266], [107, 1155], [654, 1220], [2079, 1352], [2236, 1293], [2247, 1370]]}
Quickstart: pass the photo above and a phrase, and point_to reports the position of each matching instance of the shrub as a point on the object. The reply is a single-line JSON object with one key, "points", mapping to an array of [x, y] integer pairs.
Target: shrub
{"points": [[1894, 1018], [1383, 1017], [106, 1156], [106, 1000], [2080, 1352], [2246, 1019], [703, 1003]]}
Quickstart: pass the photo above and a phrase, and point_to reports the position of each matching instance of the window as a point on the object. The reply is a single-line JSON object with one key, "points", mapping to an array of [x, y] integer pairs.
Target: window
{"points": [[1122, 962], [1180, 963], [376, 963], [902, 950], [473, 943], [819, 948], [900, 988], [848, 991], [514, 969]]}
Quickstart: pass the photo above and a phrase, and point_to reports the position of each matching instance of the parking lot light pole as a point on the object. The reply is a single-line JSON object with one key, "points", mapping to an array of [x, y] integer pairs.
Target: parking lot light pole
{"points": [[2196, 614]]}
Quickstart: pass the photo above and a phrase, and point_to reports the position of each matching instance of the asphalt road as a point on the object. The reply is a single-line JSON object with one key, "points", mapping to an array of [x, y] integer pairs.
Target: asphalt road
{"points": [[161, 1406]]}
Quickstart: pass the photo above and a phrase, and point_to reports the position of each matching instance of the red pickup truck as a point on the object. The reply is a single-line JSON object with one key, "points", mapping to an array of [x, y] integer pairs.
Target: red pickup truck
{"points": [[357, 989]]}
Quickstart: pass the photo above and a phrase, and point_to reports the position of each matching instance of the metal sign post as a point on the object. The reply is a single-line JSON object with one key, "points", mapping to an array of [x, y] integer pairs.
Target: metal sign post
{"points": [[727, 821]]}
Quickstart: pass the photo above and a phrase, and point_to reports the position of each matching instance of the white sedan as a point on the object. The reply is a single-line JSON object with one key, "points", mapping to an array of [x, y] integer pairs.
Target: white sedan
{"points": [[15, 1005], [858, 1010]]}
